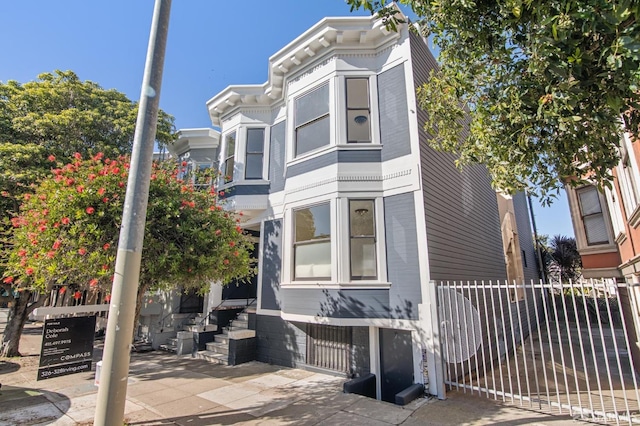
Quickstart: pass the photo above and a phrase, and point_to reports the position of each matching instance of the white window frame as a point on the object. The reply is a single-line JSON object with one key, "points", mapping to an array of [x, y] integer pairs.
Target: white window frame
{"points": [[629, 180], [330, 115], [247, 153], [373, 111], [602, 213], [340, 244], [225, 157]]}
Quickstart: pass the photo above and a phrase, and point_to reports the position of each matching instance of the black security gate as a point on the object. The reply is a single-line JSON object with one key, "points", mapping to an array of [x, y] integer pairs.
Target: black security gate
{"points": [[329, 347]]}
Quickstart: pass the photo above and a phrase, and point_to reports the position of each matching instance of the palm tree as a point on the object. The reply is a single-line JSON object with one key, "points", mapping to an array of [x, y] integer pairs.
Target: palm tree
{"points": [[564, 262]]}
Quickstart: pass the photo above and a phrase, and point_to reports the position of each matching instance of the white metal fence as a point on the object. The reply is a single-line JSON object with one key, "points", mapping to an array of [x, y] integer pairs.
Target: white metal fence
{"points": [[560, 347]]}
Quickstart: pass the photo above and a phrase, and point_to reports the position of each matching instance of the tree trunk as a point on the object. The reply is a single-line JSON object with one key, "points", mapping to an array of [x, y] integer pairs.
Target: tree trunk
{"points": [[142, 289], [18, 312]]}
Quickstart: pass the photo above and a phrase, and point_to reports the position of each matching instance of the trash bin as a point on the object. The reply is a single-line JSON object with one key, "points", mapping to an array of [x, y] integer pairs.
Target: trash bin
{"points": [[96, 380]]}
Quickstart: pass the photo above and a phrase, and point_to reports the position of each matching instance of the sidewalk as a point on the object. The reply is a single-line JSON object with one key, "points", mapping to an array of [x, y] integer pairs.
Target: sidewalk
{"points": [[166, 390]]}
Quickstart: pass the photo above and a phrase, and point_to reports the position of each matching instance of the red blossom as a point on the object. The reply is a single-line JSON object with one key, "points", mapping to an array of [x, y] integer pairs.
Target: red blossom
{"points": [[56, 224], [27, 197], [105, 200], [57, 172], [232, 243], [153, 176], [236, 253], [239, 228], [101, 191], [90, 210], [63, 290], [93, 282], [105, 267], [42, 197], [115, 170], [241, 214], [51, 254], [80, 189], [65, 220], [77, 156], [45, 212], [56, 244], [107, 298], [121, 184], [184, 164], [226, 261], [77, 295], [8, 280], [98, 156], [218, 232], [106, 246], [69, 181], [51, 158], [28, 271], [42, 228], [22, 252], [91, 176], [4, 193], [82, 251], [221, 193]]}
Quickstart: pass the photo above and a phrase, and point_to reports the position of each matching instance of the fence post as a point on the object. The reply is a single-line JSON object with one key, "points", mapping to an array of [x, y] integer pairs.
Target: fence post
{"points": [[435, 368]]}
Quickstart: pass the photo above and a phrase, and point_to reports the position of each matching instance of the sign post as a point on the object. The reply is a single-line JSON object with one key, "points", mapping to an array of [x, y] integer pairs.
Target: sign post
{"points": [[67, 346]]}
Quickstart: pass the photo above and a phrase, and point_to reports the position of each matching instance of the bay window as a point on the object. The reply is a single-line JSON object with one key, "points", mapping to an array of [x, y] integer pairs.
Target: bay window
{"points": [[358, 110], [255, 153], [312, 243], [312, 124], [362, 239], [595, 227], [229, 158]]}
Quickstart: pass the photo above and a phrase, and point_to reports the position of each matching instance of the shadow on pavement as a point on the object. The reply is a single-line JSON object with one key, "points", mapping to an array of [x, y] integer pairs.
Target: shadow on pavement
{"points": [[20, 405]]}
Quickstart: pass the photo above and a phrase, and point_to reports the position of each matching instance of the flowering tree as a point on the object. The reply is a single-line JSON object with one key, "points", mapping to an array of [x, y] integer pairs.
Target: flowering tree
{"points": [[66, 234]]}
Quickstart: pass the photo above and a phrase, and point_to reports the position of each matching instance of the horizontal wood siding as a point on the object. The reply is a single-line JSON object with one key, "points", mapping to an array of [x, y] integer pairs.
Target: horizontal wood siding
{"points": [[334, 157], [394, 114], [280, 342], [331, 303], [271, 264], [463, 227], [403, 267], [276, 156], [525, 236], [204, 155]]}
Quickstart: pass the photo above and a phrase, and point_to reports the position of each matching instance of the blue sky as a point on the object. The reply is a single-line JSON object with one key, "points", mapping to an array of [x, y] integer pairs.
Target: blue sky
{"points": [[211, 45]]}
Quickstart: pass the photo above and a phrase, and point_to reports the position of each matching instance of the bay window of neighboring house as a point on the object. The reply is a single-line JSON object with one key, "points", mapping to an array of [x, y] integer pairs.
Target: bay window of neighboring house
{"points": [[629, 187], [254, 154], [593, 220], [229, 157], [362, 240], [311, 122], [358, 110], [312, 243]]}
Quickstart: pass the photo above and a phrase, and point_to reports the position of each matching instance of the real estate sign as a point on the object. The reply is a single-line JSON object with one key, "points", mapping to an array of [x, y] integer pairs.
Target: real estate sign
{"points": [[67, 346]]}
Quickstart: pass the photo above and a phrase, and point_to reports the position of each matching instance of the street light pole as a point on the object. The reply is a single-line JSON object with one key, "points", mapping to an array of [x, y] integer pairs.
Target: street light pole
{"points": [[112, 391]]}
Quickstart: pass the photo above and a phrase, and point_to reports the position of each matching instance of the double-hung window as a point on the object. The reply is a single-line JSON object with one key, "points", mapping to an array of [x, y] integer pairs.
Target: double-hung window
{"points": [[255, 153], [358, 110], [595, 227], [229, 159], [312, 243], [312, 124], [362, 240]]}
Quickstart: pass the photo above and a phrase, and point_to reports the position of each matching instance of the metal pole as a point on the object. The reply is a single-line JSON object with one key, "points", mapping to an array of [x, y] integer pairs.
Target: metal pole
{"points": [[115, 360]]}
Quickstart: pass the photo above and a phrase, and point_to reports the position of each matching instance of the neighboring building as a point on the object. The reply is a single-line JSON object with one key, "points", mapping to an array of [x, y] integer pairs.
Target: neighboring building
{"points": [[355, 214], [607, 229]]}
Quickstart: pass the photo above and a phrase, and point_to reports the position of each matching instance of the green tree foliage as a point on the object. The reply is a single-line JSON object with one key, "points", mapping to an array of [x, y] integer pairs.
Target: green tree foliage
{"points": [[66, 234], [58, 114], [548, 85]]}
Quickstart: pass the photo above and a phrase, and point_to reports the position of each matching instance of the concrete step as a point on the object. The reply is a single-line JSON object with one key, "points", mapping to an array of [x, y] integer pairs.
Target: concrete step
{"points": [[219, 348], [221, 338], [213, 357], [243, 316], [239, 325]]}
